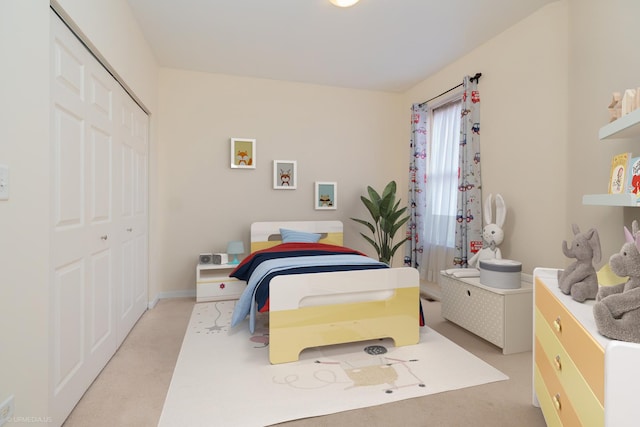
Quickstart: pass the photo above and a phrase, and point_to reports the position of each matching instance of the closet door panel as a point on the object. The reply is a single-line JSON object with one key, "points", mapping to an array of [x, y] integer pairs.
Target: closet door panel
{"points": [[126, 282], [83, 232], [140, 276], [127, 178], [100, 298], [68, 323], [101, 93], [68, 168], [141, 203], [133, 137], [100, 188]]}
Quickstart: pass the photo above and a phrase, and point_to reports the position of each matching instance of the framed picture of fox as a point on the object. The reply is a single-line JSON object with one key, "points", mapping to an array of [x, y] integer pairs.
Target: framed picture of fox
{"points": [[243, 153]]}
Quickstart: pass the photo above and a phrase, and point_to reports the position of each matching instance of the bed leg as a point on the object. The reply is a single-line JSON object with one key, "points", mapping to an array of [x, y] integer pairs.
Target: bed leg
{"points": [[283, 353]]}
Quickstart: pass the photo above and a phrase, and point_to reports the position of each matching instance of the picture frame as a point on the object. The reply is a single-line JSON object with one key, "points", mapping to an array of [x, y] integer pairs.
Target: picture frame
{"points": [[243, 153], [285, 174], [326, 196]]}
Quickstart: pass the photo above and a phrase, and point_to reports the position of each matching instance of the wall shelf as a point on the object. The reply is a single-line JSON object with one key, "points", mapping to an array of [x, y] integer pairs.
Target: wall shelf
{"points": [[626, 126], [625, 199]]}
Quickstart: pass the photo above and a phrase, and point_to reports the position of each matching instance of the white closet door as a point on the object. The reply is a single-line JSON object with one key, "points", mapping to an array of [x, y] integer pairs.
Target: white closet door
{"points": [[90, 253], [133, 133]]}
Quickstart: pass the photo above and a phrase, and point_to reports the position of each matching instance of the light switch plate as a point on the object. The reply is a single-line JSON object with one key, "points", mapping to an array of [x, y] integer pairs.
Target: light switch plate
{"points": [[4, 182]]}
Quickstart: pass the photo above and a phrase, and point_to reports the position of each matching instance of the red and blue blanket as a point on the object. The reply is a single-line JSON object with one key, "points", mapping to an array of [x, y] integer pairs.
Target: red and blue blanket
{"points": [[292, 258]]}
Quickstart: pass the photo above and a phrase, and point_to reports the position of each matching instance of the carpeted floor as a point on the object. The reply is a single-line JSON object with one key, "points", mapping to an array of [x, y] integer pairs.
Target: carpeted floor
{"points": [[131, 389]]}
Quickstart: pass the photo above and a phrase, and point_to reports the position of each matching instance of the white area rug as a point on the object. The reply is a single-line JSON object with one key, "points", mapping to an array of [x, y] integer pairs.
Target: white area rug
{"points": [[223, 377]]}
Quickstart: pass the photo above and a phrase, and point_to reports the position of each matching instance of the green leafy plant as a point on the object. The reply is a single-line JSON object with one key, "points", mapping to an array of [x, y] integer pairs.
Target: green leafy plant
{"points": [[387, 220]]}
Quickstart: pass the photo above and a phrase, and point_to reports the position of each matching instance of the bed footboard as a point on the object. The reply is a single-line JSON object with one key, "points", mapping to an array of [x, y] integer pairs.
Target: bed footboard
{"points": [[311, 310]]}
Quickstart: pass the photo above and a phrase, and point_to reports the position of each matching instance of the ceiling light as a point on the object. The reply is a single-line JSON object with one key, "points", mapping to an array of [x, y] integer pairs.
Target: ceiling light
{"points": [[343, 3]]}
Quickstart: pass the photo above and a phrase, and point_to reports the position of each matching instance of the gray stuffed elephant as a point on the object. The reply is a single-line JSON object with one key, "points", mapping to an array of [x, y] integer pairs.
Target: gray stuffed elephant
{"points": [[617, 308], [580, 278]]}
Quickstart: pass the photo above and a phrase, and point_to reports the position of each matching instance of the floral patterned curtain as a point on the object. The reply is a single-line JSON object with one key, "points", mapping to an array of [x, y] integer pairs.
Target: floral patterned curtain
{"points": [[469, 211], [417, 182]]}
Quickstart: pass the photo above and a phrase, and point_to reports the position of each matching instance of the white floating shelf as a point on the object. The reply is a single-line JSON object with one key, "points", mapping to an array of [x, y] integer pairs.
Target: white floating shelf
{"points": [[625, 199], [624, 127]]}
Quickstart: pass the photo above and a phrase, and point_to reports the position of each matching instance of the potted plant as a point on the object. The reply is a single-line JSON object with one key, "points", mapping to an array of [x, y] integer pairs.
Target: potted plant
{"points": [[387, 220]]}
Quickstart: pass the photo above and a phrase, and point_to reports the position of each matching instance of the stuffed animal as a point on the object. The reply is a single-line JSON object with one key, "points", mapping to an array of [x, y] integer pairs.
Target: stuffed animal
{"points": [[617, 308], [492, 234], [580, 278]]}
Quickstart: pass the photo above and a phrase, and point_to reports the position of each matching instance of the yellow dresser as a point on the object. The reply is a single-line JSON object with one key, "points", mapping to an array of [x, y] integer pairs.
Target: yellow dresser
{"points": [[575, 369]]}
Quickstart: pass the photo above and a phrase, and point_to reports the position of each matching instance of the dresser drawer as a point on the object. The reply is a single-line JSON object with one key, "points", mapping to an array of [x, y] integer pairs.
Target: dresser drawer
{"points": [[564, 379], [218, 290], [548, 401], [586, 353]]}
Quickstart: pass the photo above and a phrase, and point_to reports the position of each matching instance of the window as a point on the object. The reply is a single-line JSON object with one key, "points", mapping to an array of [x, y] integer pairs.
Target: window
{"points": [[442, 173]]}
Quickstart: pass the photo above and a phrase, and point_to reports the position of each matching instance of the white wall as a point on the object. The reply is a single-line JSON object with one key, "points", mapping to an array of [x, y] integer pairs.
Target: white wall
{"points": [[523, 128], [353, 137], [603, 59], [24, 219]]}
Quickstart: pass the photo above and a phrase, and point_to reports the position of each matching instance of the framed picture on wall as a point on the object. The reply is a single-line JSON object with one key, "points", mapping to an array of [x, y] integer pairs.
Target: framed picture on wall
{"points": [[326, 196], [285, 174], [243, 153]]}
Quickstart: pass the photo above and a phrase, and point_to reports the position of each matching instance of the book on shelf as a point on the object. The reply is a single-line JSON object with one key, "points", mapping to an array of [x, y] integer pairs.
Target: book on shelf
{"points": [[619, 173], [633, 176]]}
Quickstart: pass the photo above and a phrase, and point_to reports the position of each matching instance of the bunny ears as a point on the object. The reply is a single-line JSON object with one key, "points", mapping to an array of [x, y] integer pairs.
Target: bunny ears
{"points": [[501, 210], [632, 236]]}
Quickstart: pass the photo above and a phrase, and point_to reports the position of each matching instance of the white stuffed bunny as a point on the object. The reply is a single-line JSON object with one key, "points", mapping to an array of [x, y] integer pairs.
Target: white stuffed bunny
{"points": [[492, 234]]}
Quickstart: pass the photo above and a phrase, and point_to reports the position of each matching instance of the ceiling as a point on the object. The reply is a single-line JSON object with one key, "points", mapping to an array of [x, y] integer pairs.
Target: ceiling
{"points": [[383, 45]]}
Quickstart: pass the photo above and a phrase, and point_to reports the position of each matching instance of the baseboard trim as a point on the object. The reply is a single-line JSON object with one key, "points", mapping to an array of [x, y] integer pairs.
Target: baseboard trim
{"points": [[190, 293]]}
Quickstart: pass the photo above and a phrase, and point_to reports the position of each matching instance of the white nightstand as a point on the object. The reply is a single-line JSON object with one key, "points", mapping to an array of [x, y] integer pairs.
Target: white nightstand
{"points": [[214, 284]]}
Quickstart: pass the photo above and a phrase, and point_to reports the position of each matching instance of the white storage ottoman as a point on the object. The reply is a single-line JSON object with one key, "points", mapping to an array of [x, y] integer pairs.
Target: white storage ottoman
{"points": [[501, 316]]}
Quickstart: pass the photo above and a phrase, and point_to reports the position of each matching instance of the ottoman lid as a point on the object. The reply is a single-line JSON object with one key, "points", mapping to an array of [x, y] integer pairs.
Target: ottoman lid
{"points": [[501, 265]]}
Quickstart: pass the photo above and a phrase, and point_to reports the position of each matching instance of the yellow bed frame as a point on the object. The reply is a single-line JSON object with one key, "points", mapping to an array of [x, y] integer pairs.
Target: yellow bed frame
{"points": [[318, 309]]}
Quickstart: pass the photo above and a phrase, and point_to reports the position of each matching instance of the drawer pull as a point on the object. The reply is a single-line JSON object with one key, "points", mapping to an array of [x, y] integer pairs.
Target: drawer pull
{"points": [[557, 324], [556, 401], [222, 286], [558, 363]]}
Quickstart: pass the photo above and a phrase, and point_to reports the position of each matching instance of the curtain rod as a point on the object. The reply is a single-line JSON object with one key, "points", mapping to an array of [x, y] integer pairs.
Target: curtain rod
{"points": [[476, 78]]}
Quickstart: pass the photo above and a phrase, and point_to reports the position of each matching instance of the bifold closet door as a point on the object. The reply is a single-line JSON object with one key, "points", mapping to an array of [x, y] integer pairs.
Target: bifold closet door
{"points": [[133, 134], [97, 267]]}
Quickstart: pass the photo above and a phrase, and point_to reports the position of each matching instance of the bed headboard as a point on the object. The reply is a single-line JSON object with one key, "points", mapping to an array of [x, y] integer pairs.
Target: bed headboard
{"points": [[267, 234]]}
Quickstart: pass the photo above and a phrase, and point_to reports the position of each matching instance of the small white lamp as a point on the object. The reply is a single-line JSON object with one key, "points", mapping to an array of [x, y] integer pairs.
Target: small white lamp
{"points": [[235, 248]]}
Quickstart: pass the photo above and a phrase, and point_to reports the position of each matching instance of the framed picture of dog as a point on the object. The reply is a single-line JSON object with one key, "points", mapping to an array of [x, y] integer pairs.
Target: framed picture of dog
{"points": [[326, 196], [285, 174], [243, 153]]}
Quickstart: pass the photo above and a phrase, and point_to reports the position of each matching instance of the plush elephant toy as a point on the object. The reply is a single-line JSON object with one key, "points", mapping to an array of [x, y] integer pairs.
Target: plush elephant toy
{"points": [[617, 308], [580, 278]]}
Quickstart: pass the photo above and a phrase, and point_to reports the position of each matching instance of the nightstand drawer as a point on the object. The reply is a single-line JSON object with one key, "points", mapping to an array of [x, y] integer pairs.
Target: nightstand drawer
{"points": [[218, 290]]}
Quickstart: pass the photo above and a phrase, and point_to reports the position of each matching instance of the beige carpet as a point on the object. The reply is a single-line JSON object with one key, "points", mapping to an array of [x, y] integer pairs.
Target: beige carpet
{"points": [[223, 371], [132, 388]]}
